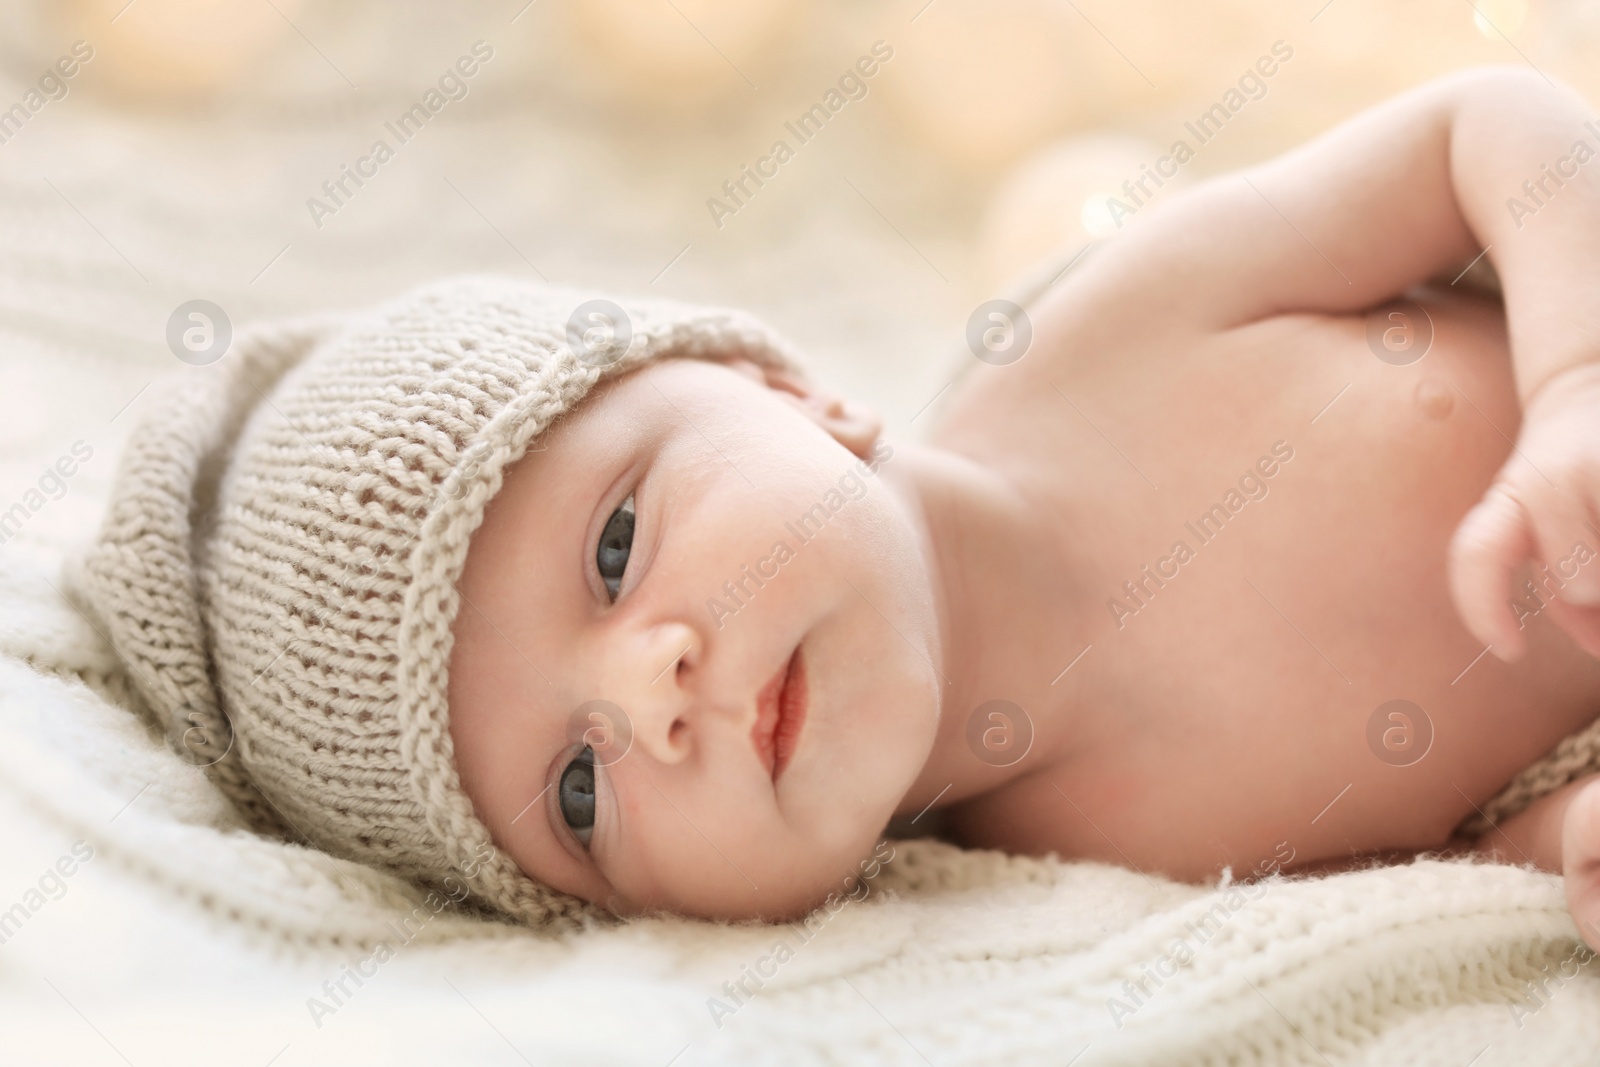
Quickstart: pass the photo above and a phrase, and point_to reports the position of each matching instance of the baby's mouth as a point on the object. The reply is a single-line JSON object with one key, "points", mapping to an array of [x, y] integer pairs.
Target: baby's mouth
{"points": [[780, 715]]}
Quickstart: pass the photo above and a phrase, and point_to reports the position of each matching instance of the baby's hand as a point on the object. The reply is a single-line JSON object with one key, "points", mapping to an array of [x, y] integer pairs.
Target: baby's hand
{"points": [[1543, 505]]}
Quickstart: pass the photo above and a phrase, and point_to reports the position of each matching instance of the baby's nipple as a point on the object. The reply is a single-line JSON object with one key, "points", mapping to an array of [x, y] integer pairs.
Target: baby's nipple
{"points": [[1435, 398]]}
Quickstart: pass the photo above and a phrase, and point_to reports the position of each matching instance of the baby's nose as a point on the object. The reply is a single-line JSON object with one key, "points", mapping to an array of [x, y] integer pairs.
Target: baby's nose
{"points": [[655, 688]]}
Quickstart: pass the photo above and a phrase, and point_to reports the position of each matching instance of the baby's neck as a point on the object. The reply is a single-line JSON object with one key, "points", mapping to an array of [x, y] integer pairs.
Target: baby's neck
{"points": [[1007, 623]]}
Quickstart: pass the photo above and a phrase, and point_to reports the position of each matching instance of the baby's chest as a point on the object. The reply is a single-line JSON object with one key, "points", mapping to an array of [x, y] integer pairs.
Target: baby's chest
{"points": [[1277, 663]]}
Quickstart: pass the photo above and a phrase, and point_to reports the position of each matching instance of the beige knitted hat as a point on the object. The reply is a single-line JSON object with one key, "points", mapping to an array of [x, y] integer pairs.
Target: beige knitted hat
{"points": [[278, 560]]}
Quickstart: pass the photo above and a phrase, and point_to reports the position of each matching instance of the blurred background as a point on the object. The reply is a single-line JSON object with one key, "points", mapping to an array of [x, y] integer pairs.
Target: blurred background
{"points": [[957, 142]]}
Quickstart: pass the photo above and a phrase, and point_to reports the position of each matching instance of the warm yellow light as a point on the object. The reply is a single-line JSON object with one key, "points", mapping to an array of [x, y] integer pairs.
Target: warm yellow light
{"points": [[1059, 197], [665, 53], [1095, 215], [984, 81], [1496, 19], [176, 48]]}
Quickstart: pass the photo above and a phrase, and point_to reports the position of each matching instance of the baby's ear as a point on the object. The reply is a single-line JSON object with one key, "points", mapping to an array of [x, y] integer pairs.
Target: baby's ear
{"points": [[855, 426]]}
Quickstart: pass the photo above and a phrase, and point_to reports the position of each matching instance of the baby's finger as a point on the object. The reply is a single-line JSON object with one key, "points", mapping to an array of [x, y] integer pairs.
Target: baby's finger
{"points": [[1560, 517], [1489, 545]]}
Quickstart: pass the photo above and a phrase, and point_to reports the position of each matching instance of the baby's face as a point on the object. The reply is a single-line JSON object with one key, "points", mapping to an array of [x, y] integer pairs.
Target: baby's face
{"points": [[711, 705]]}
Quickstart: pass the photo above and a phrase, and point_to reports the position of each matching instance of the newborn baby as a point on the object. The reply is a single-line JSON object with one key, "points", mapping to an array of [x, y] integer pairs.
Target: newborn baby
{"points": [[1229, 570], [1225, 661]]}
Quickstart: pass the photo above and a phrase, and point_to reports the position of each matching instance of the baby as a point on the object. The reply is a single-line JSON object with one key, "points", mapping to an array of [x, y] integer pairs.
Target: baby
{"points": [[1246, 562]]}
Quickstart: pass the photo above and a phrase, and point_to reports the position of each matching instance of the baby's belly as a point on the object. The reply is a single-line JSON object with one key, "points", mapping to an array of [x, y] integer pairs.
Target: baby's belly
{"points": [[1279, 665]]}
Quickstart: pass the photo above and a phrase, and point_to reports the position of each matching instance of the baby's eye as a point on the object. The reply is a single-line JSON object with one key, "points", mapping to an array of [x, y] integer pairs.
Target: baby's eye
{"points": [[575, 795], [616, 541]]}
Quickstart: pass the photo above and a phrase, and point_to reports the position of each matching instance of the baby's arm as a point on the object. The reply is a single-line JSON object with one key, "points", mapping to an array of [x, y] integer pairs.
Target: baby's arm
{"points": [[1395, 196], [1560, 833], [1400, 193], [1389, 199]]}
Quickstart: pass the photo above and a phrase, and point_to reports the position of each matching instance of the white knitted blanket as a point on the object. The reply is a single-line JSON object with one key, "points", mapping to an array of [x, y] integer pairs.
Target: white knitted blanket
{"points": [[137, 915], [139, 924]]}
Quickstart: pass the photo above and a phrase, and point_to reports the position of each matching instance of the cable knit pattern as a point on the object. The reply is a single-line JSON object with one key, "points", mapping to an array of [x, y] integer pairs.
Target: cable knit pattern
{"points": [[278, 563]]}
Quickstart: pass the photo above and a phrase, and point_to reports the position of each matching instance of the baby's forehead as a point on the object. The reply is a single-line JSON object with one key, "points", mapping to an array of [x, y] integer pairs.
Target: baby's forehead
{"points": [[678, 415], [642, 398]]}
